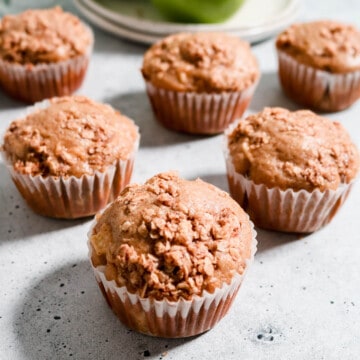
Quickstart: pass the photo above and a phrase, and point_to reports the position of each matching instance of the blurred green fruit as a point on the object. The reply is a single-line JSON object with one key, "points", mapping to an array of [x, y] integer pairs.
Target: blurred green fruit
{"points": [[197, 11]]}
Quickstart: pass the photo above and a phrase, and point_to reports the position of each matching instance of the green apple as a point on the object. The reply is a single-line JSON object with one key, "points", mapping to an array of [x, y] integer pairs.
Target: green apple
{"points": [[197, 11]]}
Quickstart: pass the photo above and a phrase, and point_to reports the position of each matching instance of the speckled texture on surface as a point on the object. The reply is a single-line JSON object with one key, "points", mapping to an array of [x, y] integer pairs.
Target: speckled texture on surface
{"points": [[300, 300]]}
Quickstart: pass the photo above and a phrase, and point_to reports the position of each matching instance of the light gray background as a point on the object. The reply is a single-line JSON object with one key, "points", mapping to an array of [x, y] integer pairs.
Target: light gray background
{"points": [[301, 299]]}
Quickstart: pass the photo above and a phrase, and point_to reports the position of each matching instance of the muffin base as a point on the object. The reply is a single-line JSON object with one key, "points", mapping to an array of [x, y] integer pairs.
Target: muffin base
{"points": [[72, 197], [163, 318], [315, 88], [182, 318], [285, 210], [198, 113]]}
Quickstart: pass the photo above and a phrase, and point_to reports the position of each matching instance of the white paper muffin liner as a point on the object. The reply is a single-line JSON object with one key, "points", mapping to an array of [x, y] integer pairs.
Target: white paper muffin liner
{"points": [[182, 318], [315, 88], [31, 83], [283, 210], [72, 197], [198, 113]]}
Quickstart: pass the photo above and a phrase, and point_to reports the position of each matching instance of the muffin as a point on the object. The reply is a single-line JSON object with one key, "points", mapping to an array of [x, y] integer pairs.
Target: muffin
{"points": [[170, 255], [43, 53], [70, 156], [319, 64], [199, 83], [291, 171]]}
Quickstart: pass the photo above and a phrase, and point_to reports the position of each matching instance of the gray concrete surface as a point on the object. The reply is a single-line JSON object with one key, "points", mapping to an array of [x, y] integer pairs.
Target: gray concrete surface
{"points": [[301, 298]]}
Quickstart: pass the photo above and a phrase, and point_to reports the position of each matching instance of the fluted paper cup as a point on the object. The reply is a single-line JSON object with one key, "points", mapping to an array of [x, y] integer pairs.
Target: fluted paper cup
{"points": [[31, 83], [198, 113], [164, 318], [72, 197], [317, 89], [285, 210]]}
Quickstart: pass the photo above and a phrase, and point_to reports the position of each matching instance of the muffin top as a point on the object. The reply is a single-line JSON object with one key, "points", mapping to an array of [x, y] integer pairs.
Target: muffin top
{"points": [[70, 136], [325, 45], [201, 62], [172, 238], [42, 36], [297, 150]]}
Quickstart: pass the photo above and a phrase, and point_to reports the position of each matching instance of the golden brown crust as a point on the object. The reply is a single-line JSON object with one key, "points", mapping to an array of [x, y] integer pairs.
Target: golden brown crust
{"points": [[201, 62], [325, 45], [71, 136], [42, 36], [171, 238], [297, 150]]}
